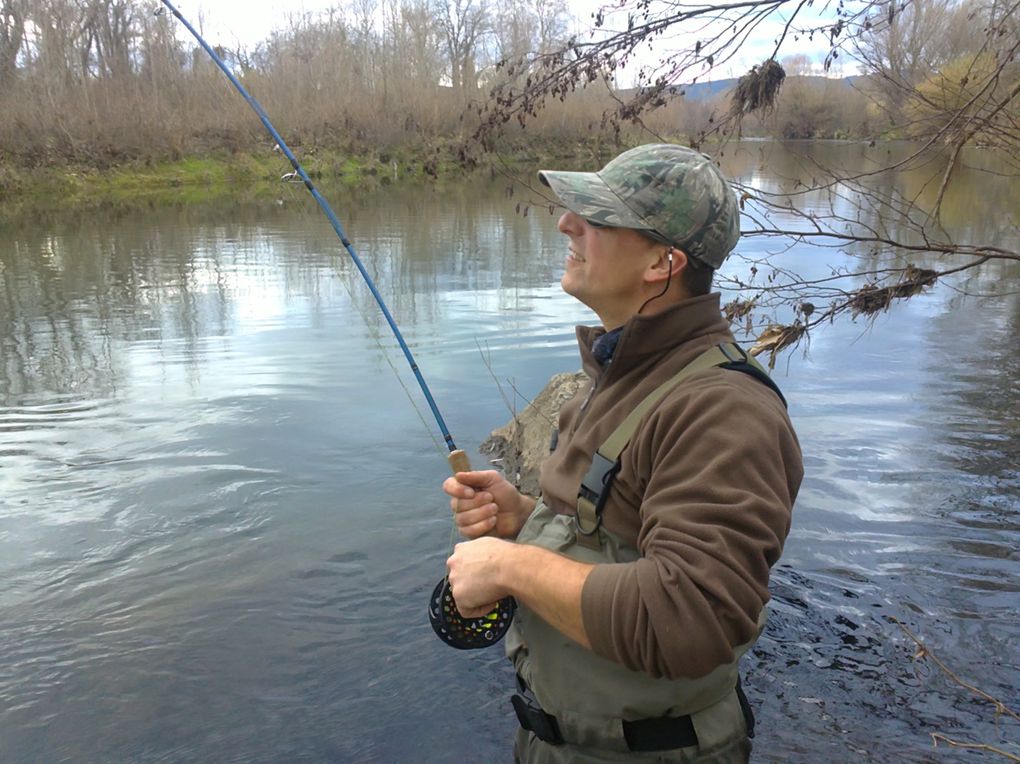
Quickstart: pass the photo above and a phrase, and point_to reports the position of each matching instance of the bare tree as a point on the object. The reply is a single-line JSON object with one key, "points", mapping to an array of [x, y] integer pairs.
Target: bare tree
{"points": [[525, 27], [12, 36], [464, 24], [417, 42], [54, 53], [414, 64], [108, 32], [902, 50], [917, 38]]}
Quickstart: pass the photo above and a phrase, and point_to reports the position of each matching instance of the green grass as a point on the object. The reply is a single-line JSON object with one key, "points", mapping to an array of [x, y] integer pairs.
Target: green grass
{"points": [[191, 179], [251, 175]]}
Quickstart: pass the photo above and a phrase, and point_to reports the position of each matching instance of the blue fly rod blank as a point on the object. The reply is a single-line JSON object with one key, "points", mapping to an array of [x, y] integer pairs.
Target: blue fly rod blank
{"points": [[458, 459], [450, 626]]}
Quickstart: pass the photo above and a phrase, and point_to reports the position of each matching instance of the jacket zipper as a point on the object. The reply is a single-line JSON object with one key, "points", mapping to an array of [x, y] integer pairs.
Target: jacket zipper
{"points": [[595, 384]]}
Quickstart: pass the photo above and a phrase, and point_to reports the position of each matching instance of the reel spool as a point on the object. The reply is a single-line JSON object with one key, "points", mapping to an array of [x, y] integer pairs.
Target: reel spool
{"points": [[467, 633]]}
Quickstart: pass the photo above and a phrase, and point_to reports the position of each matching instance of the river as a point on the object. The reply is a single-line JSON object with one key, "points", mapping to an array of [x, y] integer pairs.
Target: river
{"points": [[220, 515]]}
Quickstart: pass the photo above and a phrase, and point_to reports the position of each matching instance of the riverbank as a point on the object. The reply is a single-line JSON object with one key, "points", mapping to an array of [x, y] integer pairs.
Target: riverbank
{"points": [[200, 178], [256, 175]]}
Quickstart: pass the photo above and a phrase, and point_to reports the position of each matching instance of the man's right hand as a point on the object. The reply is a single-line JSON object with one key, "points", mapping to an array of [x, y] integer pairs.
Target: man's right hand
{"points": [[485, 502]]}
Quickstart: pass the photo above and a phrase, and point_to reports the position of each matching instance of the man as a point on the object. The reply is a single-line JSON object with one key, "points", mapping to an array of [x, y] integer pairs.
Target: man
{"points": [[641, 575]]}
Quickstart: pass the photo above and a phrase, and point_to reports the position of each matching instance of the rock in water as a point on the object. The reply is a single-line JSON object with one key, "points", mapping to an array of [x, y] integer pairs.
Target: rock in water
{"points": [[520, 446]]}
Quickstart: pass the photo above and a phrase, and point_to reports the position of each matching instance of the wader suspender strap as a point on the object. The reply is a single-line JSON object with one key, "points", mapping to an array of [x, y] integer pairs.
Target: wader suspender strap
{"points": [[594, 490]]}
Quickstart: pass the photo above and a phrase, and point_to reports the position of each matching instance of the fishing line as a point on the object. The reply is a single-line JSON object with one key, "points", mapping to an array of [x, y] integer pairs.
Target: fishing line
{"points": [[384, 351], [446, 620], [387, 356]]}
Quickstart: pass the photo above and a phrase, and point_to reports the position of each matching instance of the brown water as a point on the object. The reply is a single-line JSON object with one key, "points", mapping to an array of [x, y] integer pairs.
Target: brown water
{"points": [[219, 507]]}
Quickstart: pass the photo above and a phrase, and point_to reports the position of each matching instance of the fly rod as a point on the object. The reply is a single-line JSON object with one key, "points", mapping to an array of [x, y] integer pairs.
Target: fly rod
{"points": [[456, 455], [453, 628]]}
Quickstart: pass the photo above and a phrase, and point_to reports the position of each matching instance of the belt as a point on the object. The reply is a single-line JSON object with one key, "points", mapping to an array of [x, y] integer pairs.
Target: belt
{"points": [[656, 734]]}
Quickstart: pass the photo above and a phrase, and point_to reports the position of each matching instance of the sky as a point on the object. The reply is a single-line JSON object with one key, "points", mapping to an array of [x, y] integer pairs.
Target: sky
{"points": [[244, 23]]}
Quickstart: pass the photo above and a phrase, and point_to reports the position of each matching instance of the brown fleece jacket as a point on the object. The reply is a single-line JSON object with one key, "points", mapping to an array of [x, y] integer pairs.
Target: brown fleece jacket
{"points": [[705, 493]]}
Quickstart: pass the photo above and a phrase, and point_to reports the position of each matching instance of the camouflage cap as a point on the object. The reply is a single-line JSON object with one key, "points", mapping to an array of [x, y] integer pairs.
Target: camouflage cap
{"points": [[669, 192]]}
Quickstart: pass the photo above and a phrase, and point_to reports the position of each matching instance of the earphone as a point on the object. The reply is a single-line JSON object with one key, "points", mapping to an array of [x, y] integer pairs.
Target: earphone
{"points": [[669, 278]]}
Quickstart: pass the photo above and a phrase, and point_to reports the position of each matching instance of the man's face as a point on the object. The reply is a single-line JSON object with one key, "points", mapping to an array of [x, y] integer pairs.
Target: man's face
{"points": [[606, 267]]}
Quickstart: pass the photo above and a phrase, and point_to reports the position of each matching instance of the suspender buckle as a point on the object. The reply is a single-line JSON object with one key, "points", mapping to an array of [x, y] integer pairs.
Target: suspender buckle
{"points": [[593, 492]]}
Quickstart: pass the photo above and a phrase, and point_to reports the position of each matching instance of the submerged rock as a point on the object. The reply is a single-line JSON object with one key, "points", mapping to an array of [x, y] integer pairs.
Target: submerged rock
{"points": [[519, 446]]}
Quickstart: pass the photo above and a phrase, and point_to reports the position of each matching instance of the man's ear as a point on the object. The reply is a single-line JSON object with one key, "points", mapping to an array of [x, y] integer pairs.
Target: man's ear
{"points": [[669, 263]]}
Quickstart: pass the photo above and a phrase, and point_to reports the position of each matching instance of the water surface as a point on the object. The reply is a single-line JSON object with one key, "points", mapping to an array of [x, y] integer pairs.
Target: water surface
{"points": [[220, 514]]}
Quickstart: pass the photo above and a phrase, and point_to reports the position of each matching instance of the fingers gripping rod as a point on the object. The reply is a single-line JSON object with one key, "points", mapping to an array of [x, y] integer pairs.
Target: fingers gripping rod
{"points": [[457, 458]]}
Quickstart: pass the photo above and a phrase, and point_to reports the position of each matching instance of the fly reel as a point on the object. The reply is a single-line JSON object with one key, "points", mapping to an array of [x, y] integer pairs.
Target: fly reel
{"points": [[449, 625], [467, 633]]}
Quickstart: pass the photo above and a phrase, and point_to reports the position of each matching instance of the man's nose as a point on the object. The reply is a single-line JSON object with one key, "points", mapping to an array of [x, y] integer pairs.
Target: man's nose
{"points": [[570, 223]]}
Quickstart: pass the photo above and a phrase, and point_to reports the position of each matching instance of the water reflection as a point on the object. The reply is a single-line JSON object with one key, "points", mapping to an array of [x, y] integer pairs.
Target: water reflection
{"points": [[981, 204], [185, 274]]}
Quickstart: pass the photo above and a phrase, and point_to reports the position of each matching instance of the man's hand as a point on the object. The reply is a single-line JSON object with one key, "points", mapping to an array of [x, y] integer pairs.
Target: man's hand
{"points": [[484, 571], [474, 575], [485, 502]]}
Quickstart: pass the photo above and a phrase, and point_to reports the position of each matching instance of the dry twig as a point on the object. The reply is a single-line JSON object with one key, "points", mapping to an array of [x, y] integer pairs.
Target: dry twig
{"points": [[1001, 709], [923, 651], [937, 738]]}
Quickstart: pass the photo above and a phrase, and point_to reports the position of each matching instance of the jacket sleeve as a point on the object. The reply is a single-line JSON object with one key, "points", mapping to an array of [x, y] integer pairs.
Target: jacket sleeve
{"points": [[721, 467]]}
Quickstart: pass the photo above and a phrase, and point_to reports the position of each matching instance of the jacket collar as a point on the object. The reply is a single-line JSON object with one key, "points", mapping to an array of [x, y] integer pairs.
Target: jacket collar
{"points": [[655, 334]]}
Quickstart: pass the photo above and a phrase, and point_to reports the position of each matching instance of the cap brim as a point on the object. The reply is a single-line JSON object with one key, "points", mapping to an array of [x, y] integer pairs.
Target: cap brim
{"points": [[586, 194]]}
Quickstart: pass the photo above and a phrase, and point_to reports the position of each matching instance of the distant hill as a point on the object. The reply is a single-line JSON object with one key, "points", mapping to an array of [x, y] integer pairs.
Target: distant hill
{"points": [[705, 91]]}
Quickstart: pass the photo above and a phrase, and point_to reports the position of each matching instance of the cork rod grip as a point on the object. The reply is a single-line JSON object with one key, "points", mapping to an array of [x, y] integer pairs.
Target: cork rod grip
{"points": [[459, 461]]}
